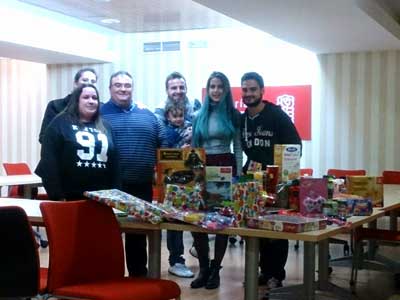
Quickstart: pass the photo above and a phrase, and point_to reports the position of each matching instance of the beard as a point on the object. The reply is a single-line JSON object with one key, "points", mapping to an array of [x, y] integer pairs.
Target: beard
{"points": [[253, 104]]}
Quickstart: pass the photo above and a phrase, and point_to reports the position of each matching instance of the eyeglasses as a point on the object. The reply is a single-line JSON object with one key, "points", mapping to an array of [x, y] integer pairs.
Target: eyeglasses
{"points": [[120, 85]]}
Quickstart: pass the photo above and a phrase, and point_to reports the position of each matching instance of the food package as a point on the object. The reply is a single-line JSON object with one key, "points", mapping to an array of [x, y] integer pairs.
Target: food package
{"points": [[367, 187], [287, 157]]}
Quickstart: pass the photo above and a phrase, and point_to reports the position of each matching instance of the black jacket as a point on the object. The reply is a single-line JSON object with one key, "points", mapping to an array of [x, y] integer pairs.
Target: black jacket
{"points": [[54, 107]]}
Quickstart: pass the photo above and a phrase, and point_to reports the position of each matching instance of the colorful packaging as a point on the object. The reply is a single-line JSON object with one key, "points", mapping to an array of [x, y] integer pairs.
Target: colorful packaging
{"points": [[313, 193], [184, 197], [132, 205], [183, 167], [367, 187], [330, 208], [218, 187], [287, 223], [246, 200], [287, 157]]}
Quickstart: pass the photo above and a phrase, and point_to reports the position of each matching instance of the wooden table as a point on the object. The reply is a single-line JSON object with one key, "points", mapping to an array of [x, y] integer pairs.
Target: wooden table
{"points": [[27, 181], [311, 239]]}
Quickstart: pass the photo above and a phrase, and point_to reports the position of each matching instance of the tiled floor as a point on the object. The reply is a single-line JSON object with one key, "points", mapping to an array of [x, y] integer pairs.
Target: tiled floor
{"points": [[371, 284]]}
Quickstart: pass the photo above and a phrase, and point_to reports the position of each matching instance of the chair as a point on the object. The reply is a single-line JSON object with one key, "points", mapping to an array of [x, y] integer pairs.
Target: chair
{"points": [[20, 273], [361, 234], [391, 177], [86, 255], [306, 172], [20, 169], [18, 192]]}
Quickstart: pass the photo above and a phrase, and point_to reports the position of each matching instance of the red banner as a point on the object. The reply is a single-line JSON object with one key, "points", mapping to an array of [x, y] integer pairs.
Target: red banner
{"points": [[295, 100]]}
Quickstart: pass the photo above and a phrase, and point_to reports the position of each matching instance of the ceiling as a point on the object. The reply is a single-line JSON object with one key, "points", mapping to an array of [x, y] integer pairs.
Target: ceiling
{"points": [[139, 15], [322, 26]]}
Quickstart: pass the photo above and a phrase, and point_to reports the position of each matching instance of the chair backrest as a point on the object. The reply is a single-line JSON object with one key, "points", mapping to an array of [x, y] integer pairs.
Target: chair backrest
{"points": [[391, 177], [19, 259], [16, 191], [306, 172], [17, 169], [343, 173], [85, 243]]}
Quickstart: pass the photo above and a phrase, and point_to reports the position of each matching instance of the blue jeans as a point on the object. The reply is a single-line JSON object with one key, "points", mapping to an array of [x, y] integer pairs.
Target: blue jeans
{"points": [[175, 247]]}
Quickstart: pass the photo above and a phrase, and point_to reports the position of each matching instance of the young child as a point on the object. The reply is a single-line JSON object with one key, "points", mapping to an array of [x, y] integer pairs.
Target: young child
{"points": [[178, 130], [179, 135]]}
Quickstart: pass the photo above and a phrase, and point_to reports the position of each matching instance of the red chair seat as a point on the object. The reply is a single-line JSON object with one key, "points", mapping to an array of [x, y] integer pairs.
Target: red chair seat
{"points": [[123, 289], [43, 281]]}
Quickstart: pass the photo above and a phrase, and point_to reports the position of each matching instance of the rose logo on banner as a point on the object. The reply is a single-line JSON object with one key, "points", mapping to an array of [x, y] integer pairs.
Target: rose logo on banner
{"points": [[287, 103]]}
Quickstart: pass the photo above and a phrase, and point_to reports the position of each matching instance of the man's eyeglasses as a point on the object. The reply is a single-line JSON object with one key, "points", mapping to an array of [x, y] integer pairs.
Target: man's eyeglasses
{"points": [[120, 85]]}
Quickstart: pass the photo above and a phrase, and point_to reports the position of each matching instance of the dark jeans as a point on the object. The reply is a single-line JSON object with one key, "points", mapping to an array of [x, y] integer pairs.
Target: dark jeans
{"points": [[202, 247], [136, 244], [273, 257], [175, 247]]}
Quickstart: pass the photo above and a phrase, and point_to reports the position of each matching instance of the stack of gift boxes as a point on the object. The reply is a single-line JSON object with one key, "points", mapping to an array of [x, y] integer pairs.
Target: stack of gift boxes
{"points": [[272, 199]]}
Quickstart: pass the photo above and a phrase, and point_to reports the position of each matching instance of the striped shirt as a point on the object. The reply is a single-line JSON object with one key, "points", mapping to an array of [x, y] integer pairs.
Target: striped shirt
{"points": [[138, 134]]}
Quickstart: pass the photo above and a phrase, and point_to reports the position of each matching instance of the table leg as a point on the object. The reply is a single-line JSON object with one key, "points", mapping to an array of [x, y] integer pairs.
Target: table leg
{"points": [[309, 270], [27, 191], [372, 244], [323, 264], [154, 237], [393, 219], [251, 268]]}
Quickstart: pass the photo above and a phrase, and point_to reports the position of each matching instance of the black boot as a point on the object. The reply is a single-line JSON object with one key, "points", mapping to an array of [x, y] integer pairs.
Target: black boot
{"points": [[213, 279], [201, 279]]}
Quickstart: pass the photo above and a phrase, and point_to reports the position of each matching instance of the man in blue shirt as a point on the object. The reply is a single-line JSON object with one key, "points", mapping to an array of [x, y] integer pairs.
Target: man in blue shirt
{"points": [[137, 134]]}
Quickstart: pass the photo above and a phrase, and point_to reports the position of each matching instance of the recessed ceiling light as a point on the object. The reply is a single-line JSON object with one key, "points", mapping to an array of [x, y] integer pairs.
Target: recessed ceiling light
{"points": [[110, 21], [102, 0]]}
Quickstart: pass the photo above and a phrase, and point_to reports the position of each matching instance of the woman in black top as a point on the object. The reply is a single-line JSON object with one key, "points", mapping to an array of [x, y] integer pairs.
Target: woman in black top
{"points": [[78, 152]]}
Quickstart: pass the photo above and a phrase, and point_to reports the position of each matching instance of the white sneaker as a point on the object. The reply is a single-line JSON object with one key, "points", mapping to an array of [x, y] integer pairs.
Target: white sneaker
{"points": [[180, 270], [273, 283]]}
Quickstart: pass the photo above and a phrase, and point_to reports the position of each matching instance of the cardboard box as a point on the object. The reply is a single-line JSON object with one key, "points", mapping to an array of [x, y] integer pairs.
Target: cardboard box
{"points": [[180, 167], [287, 223], [367, 187], [218, 186], [287, 157], [313, 192]]}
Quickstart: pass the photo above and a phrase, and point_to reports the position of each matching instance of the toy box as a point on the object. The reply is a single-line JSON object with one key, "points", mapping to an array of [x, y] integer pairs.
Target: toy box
{"points": [[180, 167], [367, 187], [313, 192], [218, 187], [287, 223], [287, 157]]}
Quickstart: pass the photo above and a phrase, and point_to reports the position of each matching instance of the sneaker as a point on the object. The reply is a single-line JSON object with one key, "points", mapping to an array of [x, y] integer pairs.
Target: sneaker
{"points": [[273, 283], [193, 252], [180, 270]]}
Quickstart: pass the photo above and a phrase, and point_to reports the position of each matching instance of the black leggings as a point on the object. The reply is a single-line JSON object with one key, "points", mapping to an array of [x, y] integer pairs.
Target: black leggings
{"points": [[202, 247]]}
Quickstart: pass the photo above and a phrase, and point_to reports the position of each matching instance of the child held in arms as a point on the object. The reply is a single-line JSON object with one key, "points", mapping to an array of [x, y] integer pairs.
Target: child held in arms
{"points": [[178, 130]]}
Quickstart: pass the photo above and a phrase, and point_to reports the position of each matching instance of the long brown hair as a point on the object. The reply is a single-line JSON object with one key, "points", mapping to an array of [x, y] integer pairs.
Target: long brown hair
{"points": [[73, 107]]}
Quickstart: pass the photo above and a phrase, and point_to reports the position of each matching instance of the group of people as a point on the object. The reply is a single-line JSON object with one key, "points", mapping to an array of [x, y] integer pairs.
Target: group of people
{"points": [[87, 145]]}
